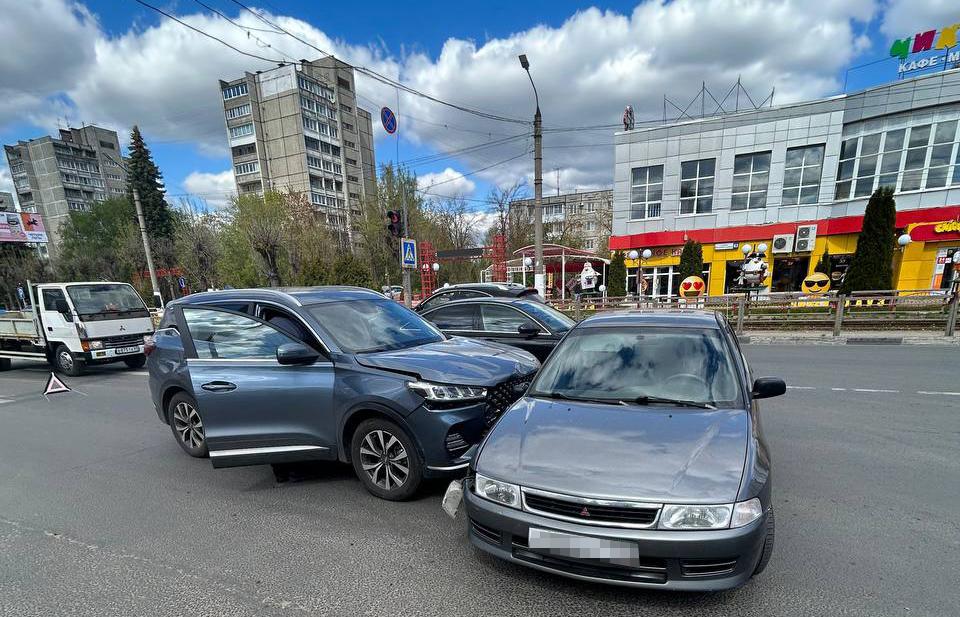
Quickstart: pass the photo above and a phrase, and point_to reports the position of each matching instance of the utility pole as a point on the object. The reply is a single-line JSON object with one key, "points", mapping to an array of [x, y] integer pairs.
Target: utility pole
{"points": [[539, 276], [157, 298], [407, 287]]}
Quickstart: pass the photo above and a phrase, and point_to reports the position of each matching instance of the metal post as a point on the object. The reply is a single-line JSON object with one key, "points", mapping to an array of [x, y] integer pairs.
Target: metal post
{"points": [[741, 309], [539, 270], [577, 308], [158, 299], [952, 315], [407, 287], [838, 319]]}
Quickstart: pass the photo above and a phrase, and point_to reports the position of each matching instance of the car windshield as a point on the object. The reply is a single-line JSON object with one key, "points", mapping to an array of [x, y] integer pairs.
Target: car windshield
{"points": [[641, 365], [360, 326], [105, 298], [548, 316]]}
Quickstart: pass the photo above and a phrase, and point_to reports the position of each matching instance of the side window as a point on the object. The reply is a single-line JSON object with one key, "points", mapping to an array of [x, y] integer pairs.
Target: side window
{"points": [[218, 334], [437, 300], [503, 318], [285, 322], [50, 297], [466, 295], [458, 317], [236, 307]]}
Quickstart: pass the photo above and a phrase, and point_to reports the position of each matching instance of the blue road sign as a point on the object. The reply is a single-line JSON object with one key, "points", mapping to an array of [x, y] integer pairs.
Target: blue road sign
{"points": [[389, 120], [183, 282], [408, 253]]}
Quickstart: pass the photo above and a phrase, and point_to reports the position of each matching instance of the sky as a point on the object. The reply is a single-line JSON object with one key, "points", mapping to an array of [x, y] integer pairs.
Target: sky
{"points": [[116, 63]]}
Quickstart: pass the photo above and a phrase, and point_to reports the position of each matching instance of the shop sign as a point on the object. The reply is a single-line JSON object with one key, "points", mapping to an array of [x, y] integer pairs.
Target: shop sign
{"points": [[726, 246], [668, 251], [942, 40], [946, 227]]}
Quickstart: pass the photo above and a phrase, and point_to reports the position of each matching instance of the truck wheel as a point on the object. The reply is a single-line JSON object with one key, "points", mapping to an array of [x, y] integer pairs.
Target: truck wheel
{"points": [[66, 362], [136, 361], [5, 364]]}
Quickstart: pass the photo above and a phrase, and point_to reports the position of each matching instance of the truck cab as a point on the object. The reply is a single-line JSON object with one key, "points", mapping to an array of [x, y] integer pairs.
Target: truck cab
{"points": [[78, 324]]}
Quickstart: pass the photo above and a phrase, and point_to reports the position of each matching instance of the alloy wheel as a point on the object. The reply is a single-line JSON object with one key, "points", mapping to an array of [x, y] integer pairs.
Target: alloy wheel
{"points": [[384, 459], [187, 424]]}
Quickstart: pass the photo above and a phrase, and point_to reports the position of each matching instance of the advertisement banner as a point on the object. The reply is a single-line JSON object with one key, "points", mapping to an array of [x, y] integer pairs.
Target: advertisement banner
{"points": [[22, 227]]}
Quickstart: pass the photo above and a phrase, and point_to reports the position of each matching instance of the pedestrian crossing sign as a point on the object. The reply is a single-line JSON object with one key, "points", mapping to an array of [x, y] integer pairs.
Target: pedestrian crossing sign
{"points": [[408, 253]]}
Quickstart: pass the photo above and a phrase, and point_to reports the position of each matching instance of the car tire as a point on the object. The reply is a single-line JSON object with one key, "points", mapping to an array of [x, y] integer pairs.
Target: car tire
{"points": [[5, 364], [136, 361], [66, 362], [767, 545], [380, 451], [186, 424]]}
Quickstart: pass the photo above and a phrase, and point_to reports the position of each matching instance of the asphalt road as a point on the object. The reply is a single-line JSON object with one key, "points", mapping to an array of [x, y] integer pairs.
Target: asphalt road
{"points": [[102, 514]]}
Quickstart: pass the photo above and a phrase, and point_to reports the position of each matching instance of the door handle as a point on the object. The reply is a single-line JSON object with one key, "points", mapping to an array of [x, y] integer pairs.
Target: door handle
{"points": [[219, 386]]}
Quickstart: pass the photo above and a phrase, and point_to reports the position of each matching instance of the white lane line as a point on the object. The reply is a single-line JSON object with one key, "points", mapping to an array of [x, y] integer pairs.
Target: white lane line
{"points": [[839, 389], [876, 390], [939, 393], [141, 373], [4, 401], [801, 388]]}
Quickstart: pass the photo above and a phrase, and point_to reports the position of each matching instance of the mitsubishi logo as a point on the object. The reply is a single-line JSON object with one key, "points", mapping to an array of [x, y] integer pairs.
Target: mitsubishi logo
{"points": [[122, 328], [584, 512]]}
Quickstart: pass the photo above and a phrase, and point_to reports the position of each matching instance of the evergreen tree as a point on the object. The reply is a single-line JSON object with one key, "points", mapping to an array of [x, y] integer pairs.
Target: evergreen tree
{"points": [[144, 174], [691, 259], [824, 264], [872, 264], [616, 276]]}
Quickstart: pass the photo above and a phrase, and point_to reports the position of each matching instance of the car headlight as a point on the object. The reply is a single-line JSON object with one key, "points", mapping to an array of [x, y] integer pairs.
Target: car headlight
{"points": [[695, 517], [503, 493], [746, 512], [439, 392]]}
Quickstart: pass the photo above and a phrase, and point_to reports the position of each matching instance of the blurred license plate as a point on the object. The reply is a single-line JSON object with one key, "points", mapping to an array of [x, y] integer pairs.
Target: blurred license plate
{"points": [[127, 350], [571, 546]]}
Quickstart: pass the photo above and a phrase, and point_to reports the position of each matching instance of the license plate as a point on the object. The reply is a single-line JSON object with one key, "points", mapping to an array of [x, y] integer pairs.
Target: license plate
{"points": [[585, 548], [121, 350]]}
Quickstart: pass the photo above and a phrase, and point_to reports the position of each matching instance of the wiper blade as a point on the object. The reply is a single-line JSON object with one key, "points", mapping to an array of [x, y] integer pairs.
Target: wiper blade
{"points": [[579, 399], [653, 400]]}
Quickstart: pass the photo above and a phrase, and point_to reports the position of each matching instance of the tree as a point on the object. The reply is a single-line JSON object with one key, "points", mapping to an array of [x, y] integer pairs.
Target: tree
{"points": [[616, 276], [691, 259], [197, 247], [350, 269], [144, 175], [18, 264], [872, 265], [262, 223], [94, 244], [824, 264]]}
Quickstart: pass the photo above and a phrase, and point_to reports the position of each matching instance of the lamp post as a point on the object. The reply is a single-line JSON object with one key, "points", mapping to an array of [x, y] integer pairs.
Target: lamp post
{"points": [[539, 279], [527, 262]]}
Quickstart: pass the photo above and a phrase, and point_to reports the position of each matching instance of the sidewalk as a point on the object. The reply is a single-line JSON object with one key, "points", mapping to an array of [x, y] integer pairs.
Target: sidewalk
{"points": [[860, 337]]}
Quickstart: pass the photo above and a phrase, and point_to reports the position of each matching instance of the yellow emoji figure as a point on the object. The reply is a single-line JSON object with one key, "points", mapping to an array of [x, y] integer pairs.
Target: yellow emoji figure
{"points": [[816, 284], [692, 287]]}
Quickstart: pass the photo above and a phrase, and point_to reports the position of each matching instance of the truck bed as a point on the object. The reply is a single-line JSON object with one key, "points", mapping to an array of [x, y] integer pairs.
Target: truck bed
{"points": [[18, 325]]}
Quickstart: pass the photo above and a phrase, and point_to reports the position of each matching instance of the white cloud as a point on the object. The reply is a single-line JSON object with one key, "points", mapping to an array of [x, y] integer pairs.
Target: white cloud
{"points": [[214, 188], [905, 18], [447, 183], [164, 77]]}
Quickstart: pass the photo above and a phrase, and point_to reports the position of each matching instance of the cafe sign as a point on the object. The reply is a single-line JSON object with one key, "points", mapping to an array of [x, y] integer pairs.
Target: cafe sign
{"points": [[946, 227], [932, 40]]}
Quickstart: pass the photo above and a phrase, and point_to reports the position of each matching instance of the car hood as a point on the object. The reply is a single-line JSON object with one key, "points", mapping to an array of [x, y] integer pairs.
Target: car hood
{"points": [[659, 454], [455, 360]]}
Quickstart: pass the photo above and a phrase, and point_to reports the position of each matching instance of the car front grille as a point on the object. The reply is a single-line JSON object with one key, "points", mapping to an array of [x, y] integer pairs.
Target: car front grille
{"points": [[127, 340], [591, 512], [504, 394]]}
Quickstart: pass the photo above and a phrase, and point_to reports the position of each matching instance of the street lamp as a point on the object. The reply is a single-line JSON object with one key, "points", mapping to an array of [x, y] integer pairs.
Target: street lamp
{"points": [[746, 249], [904, 240], [527, 262], [539, 280], [436, 266]]}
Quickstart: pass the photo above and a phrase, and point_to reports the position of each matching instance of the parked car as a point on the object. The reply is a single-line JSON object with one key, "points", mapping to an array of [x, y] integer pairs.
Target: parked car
{"points": [[394, 292], [465, 291], [635, 458], [259, 376], [527, 324]]}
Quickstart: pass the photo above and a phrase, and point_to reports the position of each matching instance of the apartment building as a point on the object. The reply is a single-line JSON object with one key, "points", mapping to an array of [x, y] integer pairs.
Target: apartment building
{"points": [[7, 204], [299, 128], [54, 176], [584, 217], [797, 178]]}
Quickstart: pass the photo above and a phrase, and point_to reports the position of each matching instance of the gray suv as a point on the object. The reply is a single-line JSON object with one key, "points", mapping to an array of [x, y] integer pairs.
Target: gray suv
{"points": [[261, 376]]}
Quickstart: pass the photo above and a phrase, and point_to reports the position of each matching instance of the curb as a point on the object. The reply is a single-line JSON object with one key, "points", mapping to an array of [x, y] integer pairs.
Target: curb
{"points": [[891, 340]]}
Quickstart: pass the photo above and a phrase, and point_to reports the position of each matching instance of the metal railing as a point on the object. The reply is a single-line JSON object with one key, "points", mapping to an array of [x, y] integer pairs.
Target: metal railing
{"points": [[904, 309]]}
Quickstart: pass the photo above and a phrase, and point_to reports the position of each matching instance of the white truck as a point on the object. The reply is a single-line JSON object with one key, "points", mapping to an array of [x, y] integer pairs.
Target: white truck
{"points": [[72, 325]]}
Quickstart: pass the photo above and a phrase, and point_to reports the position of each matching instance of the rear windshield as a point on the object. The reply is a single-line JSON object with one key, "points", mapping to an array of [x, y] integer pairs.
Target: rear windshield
{"points": [[547, 315], [627, 363]]}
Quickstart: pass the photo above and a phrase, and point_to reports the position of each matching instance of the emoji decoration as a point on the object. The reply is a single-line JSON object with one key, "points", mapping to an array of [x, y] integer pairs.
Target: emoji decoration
{"points": [[692, 287], [816, 284]]}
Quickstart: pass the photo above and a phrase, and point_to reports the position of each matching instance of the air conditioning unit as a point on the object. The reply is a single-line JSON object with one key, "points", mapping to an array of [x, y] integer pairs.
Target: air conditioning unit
{"points": [[806, 238], [783, 243]]}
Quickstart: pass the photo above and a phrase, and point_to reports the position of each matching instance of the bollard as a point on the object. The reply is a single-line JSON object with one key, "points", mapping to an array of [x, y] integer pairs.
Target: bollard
{"points": [[838, 319], [577, 309], [952, 315], [741, 309]]}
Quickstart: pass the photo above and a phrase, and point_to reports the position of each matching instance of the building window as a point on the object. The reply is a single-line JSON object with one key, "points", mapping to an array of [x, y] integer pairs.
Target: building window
{"points": [[354, 195], [106, 144], [244, 150], [346, 108], [343, 83], [751, 175], [247, 168], [941, 154], [241, 131], [646, 192], [315, 88], [353, 178], [347, 126], [801, 175], [696, 186], [318, 199], [351, 161], [232, 92], [238, 112], [350, 144], [913, 164]]}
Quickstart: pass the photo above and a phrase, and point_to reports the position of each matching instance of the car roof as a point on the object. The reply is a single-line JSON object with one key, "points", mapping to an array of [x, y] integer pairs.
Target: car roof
{"points": [[496, 299], [288, 296], [645, 317], [504, 288]]}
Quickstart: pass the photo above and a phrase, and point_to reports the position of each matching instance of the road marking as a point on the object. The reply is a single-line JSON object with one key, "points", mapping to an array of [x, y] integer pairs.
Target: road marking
{"points": [[141, 373], [801, 388], [876, 390], [4, 401], [839, 389], [939, 393]]}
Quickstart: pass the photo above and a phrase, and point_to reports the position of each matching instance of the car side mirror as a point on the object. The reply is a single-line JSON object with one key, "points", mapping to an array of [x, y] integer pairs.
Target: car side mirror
{"points": [[767, 387], [528, 330], [296, 353]]}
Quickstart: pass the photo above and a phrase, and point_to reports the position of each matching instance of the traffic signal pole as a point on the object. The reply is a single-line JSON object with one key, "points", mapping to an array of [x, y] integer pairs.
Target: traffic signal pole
{"points": [[407, 287]]}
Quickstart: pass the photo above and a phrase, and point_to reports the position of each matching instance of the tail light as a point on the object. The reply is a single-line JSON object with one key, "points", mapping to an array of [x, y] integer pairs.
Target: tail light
{"points": [[149, 344]]}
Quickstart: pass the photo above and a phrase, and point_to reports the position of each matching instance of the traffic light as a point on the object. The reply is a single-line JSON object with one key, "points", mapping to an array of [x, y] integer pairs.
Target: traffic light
{"points": [[394, 224]]}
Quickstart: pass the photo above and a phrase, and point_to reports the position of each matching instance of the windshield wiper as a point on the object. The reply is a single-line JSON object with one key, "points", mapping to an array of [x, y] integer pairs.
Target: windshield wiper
{"points": [[653, 400], [580, 399]]}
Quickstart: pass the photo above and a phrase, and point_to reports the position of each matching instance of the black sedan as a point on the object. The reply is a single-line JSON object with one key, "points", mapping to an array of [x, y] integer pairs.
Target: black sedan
{"points": [[522, 323], [635, 458], [466, 291]]}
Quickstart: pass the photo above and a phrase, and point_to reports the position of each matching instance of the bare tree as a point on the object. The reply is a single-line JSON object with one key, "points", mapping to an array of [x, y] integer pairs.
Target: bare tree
{"points": [[197, 245]]}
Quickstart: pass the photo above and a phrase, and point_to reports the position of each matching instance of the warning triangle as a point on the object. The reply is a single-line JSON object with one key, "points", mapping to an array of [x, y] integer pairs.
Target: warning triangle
{"points": [[55, 385]]}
